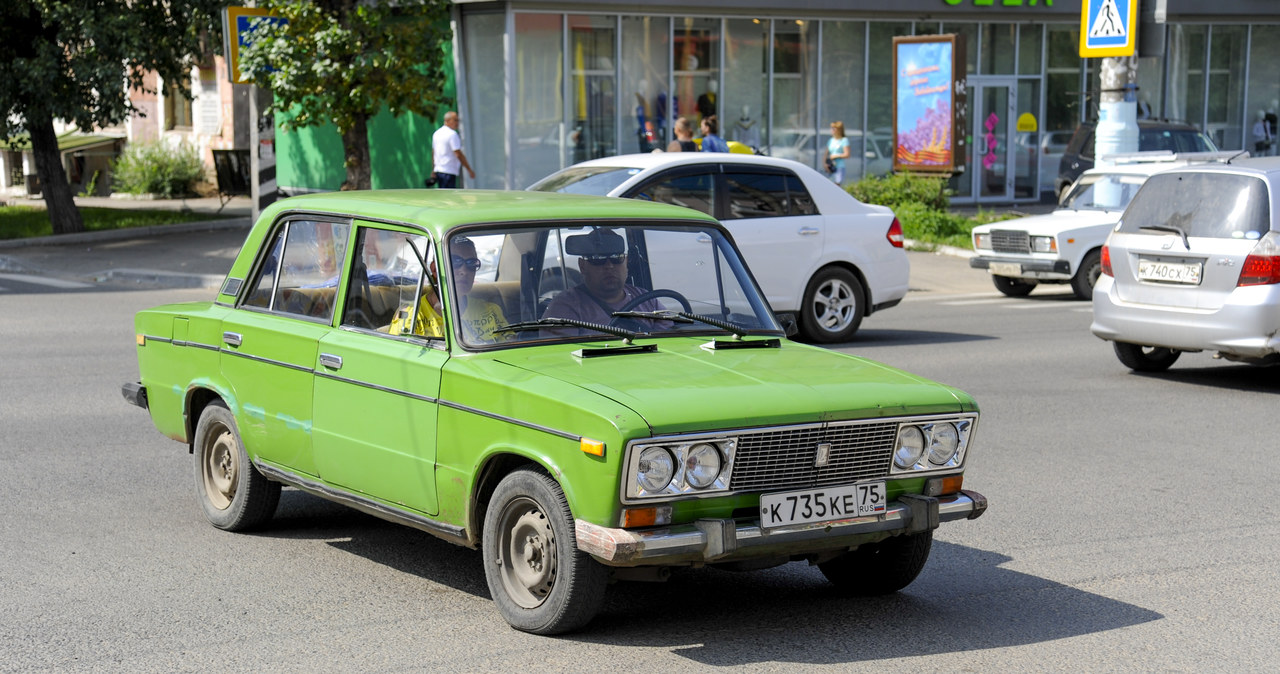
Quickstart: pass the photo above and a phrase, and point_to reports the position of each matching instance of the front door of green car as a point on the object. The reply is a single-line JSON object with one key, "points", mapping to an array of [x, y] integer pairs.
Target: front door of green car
{"points": [[379, 376], [270, 342]]}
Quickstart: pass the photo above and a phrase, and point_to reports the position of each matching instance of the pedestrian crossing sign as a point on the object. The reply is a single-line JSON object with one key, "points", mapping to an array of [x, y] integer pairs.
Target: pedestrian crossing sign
{"points": [[1108, 27]]}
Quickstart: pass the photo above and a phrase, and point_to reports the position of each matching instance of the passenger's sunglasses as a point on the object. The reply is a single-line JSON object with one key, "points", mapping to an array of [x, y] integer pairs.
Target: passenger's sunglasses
{"points": [[471, 263], [602, 261]]}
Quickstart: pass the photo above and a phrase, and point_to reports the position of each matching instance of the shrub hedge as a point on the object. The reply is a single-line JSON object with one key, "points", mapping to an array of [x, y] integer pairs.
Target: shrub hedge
{"points": [[157, 168]]}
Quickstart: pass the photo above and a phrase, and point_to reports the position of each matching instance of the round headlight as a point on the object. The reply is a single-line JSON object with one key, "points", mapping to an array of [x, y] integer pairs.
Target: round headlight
{"points": [[944, 440], [655, 470], [910, 447], [701, 466]]}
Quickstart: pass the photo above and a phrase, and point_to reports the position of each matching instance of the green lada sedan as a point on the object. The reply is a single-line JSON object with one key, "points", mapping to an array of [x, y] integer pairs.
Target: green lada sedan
{"points": [[586, 389]]}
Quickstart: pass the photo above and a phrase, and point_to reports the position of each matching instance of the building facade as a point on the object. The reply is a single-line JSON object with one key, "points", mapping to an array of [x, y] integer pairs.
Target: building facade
{"points": [[542, 85]]}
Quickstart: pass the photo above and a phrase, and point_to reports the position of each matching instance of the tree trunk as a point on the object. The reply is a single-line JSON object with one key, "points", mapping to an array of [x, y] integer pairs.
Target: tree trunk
{"points": [[58, 199], [355, 145]]}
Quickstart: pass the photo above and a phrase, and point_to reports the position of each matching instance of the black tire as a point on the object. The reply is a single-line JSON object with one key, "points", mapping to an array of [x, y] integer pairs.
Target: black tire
{"points": [[1146, 358], [1013, 287], [880, 568], [234, 495], [537, 576], [833, 306], [1087, 275]]}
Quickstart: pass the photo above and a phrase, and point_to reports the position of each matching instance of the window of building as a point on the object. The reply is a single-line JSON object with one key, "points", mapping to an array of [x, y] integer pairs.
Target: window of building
{"points": [[795, 77], [1065, 103], [996, 48], [1187, 72], [538, 98], [746, 79], [644, 115], [844, 73], [593, 91], [1264, 78], [177, 107], [1224, 112], [696, 59], [485, 121]]}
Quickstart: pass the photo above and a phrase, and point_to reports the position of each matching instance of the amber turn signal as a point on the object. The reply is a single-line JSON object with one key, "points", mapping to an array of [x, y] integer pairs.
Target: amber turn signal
{"points": [[592, 447], [141, 339], [646, 517], [938, 486]]}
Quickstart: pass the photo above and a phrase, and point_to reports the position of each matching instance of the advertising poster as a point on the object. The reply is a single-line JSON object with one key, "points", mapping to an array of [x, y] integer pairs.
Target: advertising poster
{"points": [[929, 103]]}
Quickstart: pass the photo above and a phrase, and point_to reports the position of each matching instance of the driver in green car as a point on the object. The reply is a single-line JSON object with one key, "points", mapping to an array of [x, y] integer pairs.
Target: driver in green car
{"points": [[602, 259]]}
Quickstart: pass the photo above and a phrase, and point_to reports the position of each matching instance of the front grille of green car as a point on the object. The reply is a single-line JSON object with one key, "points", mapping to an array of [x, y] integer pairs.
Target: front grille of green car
{"points": [[1010, 241], [786, 458]]}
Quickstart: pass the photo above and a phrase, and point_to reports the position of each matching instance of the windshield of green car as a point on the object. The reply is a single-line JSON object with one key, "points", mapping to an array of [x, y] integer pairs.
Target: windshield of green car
{"points": [[600, 281]]}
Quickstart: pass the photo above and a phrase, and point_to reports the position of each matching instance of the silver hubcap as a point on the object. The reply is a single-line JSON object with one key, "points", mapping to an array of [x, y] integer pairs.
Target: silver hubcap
{"points": [[527, 563], [834, 305]]}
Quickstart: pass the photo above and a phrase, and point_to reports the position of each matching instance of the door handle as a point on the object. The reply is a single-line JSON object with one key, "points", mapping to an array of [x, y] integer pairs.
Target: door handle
{"points": [[331, 361], [807, 231], [231, 338]]}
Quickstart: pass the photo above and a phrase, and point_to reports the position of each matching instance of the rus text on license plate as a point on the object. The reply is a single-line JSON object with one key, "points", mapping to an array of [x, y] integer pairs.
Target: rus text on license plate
{"points": [[821, 505]]}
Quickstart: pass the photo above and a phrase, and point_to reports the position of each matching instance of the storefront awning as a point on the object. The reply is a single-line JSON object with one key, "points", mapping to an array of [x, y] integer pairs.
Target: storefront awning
{"points": [[67, 142]]}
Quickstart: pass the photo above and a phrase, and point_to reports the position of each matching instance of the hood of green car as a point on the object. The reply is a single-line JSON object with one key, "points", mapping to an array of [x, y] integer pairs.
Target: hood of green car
{"points": [[683, 387]]}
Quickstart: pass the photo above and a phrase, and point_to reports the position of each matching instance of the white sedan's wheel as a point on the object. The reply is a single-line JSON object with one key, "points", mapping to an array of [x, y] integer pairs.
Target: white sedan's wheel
{"points": [[834, 304]]}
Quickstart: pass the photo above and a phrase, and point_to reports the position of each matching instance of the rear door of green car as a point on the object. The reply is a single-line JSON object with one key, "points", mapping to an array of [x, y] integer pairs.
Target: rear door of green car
{"points": [[375, 391], [270, 342]]}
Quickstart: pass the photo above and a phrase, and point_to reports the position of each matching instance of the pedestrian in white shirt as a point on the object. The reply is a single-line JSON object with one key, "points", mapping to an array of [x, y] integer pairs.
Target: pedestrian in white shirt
{"points": [[448, 160]]}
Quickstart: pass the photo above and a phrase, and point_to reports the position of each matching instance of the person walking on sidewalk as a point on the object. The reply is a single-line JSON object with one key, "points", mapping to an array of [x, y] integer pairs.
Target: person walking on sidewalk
{"points": [[448, 160]]}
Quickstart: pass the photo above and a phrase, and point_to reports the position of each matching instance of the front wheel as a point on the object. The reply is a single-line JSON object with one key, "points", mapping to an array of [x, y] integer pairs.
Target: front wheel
{"points": [[880, 568], [1087, 275], [834, 304], [1013, 287], [537, 576], [233, 494], [1146, 358]]}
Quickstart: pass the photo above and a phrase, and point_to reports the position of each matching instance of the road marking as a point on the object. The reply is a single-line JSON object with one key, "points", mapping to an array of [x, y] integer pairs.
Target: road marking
{"points": [[44, 281]]}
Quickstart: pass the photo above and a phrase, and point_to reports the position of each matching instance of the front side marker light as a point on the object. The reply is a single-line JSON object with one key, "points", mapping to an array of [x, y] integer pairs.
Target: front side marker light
{"points": [[592, 447], [646, 517], [141, 339]]}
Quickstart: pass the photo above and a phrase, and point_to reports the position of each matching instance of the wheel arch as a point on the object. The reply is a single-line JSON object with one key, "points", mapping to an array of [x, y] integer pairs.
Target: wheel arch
{"points": [[491, 471], [198, 397]]}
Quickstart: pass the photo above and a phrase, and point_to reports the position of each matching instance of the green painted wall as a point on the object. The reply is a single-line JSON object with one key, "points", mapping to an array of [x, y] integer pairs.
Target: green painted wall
{"points": [[399, 148]]}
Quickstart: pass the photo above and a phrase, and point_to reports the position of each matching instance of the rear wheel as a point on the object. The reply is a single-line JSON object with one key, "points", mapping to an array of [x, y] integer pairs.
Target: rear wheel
{"points": [[834, 304], [880, 568], [1146, 358], [1087, 275], [234, 495], [537, 576], [1013, 287]]}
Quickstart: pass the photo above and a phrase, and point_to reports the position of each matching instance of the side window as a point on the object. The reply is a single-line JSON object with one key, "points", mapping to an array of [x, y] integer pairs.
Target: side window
{"points": [[756, 195], [695, 191], [801, 202], [387, 282], [300, 275]]}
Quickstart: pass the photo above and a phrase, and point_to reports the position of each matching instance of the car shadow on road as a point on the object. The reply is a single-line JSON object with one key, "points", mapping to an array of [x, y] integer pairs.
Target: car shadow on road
{"points": [[1220, 375], [964, 600], [872, 338]]}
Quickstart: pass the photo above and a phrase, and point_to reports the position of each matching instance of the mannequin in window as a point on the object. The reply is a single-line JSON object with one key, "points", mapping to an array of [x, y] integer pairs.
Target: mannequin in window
{"points": [[745, 130], [707, 101]]}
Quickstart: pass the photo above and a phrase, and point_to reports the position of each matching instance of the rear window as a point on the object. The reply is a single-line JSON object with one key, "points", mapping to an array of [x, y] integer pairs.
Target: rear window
{"points": [[1211, 205], [1174, 140]]}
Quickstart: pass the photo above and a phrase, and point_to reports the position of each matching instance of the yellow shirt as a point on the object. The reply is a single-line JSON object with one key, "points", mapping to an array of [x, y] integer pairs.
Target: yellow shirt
{"points": [[479, 321]]}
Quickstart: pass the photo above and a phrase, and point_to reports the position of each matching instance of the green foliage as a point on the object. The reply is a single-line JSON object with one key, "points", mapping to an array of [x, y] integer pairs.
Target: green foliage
{"points": [[342, 61], [156, 168], [903, 188], [922, 204], [20, 222], [92, 185]]}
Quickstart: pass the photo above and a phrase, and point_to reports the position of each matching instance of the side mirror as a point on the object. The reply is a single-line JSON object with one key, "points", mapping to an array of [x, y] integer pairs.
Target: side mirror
{"points": [[789, 327]]}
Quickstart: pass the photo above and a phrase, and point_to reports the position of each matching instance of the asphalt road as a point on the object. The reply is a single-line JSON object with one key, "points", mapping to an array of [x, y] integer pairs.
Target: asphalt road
{"points": [[1133, 526]]}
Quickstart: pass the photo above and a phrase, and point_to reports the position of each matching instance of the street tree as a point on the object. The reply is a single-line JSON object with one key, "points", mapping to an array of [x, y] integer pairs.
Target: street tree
{"points": [[343, 61], [76, 61]]}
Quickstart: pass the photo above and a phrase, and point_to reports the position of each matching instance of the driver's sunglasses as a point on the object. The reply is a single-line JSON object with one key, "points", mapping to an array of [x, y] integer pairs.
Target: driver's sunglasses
{"points": [[471, 263], [602, 261]]}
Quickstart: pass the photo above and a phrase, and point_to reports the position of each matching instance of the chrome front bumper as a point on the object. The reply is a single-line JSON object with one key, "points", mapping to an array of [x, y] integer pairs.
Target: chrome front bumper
{"points": [[723, 540]]}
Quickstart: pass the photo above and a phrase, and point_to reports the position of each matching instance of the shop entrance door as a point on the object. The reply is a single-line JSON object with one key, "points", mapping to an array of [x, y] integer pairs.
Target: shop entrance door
{"points": [[994, 103]]}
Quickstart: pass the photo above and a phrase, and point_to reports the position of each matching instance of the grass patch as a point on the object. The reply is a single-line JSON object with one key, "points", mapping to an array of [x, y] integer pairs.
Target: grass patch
{"points": [[21, 222]]}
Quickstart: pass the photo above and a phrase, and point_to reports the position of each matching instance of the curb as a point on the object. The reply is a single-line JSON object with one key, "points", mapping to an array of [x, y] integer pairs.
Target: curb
{"points": [[166, 279], [130, 233], [912, 244]]}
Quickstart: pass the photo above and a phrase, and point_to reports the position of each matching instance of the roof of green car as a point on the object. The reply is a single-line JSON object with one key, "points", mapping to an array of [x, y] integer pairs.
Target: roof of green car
{"points": [[441, 210]]}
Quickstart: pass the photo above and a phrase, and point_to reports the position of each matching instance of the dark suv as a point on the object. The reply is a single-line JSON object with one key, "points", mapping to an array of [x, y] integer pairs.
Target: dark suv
{"points": [[1153, 135]]}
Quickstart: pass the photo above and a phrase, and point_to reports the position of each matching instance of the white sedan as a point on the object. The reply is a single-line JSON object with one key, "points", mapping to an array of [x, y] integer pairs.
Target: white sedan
{"points": [[816, 252]]}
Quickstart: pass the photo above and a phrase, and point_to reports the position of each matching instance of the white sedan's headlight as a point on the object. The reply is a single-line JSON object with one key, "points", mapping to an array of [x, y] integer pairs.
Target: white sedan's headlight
{"points": [[1044, 244], [982, 240]]}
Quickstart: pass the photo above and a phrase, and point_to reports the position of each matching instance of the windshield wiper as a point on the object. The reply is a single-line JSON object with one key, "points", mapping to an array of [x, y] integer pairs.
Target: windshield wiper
{"points": [[625, 334], [1170, 228], [685, 317]]}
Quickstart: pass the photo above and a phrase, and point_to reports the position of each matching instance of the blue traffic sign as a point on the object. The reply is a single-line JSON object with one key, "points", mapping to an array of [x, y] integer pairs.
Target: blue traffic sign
{"points": [[1108, 27]]}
